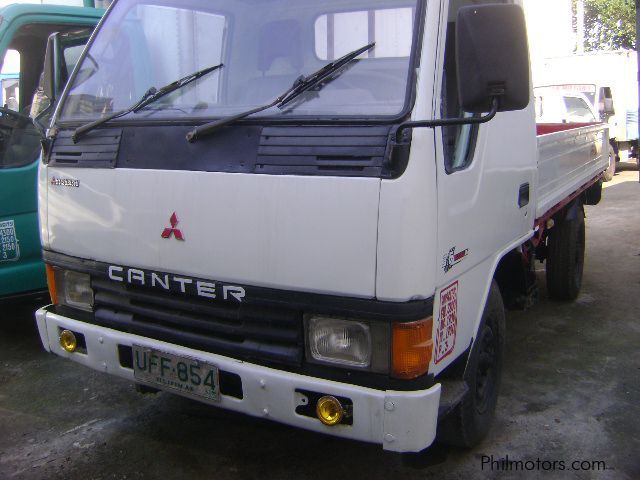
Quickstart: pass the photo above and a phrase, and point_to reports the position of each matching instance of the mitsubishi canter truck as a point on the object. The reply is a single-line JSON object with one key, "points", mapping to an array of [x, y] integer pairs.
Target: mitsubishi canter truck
{"points": [[312, 212]]}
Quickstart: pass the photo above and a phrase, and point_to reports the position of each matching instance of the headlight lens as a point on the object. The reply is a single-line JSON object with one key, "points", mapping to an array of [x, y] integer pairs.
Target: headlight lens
{"points": [[74, 289], [344, 342]]}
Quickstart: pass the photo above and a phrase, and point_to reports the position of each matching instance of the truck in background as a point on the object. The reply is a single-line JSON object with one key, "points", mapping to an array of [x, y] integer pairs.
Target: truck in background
{"points": [[556, 105], [610, 82], [563, 107], [24, 33], [308, 211]]}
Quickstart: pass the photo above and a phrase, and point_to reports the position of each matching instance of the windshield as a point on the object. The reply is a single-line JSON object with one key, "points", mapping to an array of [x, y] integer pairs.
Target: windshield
{"points": [[264, 46]]}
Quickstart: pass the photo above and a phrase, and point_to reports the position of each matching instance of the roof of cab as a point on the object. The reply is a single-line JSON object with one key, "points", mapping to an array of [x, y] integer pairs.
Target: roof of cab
{"points": [[11, 12]]}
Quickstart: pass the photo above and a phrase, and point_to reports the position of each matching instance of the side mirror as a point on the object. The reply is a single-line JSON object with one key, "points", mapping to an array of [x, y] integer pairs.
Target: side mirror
{"points": [[52, 82], [608, 108], [492, 56], [50, 86]]}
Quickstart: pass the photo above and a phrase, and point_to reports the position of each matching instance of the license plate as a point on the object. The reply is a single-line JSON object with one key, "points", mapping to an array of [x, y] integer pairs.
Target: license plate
{"points": [[9, 246], [182, 374]]}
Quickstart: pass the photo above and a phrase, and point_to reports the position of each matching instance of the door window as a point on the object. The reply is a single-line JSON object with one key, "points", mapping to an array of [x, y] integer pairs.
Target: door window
{"points": [[10, 79], [578, 110], [19, 141], [459, 140]]}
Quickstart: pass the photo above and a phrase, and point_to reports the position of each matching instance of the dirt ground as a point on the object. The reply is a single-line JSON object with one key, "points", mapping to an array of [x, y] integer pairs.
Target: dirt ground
{"points": [[571, 391]]}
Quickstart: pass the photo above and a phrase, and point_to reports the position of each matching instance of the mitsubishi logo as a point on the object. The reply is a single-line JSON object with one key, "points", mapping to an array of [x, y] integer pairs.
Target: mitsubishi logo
{"points": [[166, 233]]}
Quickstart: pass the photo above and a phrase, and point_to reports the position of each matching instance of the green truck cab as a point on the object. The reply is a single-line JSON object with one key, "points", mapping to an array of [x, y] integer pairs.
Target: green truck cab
{"points": [[24, 32]]}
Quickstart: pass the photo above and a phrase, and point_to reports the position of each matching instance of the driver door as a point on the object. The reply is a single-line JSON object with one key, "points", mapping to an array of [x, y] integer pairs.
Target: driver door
{"points": [[21, 268]]}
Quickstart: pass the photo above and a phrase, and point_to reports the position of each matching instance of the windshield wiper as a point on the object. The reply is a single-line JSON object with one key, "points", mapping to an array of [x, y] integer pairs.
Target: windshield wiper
{"points": [[301, 85], [149, 97]]}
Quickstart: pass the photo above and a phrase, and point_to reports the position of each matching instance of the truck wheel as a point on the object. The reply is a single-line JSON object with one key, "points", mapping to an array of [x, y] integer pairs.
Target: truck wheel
{"points": [[593, 194], [610, 172], [565, 258], [470, 420]]}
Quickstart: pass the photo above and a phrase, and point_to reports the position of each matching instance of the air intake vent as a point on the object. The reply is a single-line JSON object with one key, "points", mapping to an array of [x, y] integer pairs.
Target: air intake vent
{"points": [[97, 149], [340, 151]]}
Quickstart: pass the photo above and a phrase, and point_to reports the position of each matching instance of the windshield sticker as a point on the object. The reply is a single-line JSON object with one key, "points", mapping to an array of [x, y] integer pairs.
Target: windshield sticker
{"points": [[447, 322], [452, 258], [65, 182], [9, 248]]}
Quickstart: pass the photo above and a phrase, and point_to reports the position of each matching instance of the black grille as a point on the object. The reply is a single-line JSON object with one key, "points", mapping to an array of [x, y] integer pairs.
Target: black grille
{"points": [[339, 151], [96, 149], [243, 331]]}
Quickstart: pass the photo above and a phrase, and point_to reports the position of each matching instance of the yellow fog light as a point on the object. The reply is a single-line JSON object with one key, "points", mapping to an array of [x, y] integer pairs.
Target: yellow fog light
{"points": [[329, 410], [68, 341]]}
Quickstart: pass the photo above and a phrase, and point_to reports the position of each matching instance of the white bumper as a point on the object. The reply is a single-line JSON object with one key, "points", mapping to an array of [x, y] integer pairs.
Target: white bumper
{"points": [[400, 421]]}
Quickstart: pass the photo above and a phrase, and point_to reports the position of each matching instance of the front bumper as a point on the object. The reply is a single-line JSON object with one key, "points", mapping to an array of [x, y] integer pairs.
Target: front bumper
{"points": [[400, 421]]}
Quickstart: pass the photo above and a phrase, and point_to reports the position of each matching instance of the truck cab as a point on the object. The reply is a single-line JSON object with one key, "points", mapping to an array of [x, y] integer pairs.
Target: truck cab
{"points": [[24, 32]]}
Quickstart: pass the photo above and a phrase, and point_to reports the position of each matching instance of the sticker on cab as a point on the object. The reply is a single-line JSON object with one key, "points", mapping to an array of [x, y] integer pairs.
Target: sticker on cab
{"points": [[447, 322], [9, 248]]}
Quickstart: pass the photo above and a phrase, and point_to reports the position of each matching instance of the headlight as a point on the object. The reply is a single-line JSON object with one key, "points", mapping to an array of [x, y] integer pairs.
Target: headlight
{"points": [[339, 341], [348, 343], [73, 289]]}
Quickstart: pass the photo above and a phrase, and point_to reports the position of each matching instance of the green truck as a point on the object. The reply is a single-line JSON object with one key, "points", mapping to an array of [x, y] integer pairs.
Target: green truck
{"points": [[24, 33]]}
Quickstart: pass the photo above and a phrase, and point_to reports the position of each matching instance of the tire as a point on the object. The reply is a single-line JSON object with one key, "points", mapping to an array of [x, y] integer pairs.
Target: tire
{"points": [[593, 194], [470, 421], [611, 171], [565, 258]]}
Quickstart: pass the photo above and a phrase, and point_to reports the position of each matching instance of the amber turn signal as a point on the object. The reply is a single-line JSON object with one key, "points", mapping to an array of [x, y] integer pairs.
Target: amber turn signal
{"points": [[51, 282], [412, 348]]}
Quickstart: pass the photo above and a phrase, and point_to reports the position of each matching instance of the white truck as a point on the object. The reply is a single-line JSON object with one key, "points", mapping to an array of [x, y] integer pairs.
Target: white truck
{"points": [[566, 106], [609, 79], [323, 224]]}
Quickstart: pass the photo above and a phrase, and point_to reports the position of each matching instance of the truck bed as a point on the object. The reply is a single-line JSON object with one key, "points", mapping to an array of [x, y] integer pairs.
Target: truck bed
{"points": [[569, 156]]}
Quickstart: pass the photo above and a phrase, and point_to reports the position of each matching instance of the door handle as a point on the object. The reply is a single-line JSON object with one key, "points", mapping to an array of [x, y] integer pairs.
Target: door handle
{"points": [[523, 195]]}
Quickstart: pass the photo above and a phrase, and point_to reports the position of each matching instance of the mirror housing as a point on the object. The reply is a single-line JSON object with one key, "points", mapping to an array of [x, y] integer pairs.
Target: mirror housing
{"points": [[605, 104], [607, 108], [51, 82], [492, 56]]}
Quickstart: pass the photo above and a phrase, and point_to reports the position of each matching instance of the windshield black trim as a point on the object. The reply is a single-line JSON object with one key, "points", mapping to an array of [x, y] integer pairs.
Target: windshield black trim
{"points": [[409, 102]]}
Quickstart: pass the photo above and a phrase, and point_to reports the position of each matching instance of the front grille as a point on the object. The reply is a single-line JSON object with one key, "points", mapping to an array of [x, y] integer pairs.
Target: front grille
{"points": [[244, 331]]}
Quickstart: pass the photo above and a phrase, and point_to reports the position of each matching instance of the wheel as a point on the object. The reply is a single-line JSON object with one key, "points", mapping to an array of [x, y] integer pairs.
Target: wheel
{"points": [[610, 172], [470, 420], [593, 194], [565, 258]]}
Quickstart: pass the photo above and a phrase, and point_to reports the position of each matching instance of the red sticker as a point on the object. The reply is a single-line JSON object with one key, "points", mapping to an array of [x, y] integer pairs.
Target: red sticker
{"points": [[447, 322]]}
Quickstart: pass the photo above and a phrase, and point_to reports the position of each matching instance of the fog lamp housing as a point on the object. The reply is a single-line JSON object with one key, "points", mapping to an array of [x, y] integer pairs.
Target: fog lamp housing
{"points": [[329, 410], [68, 341]]}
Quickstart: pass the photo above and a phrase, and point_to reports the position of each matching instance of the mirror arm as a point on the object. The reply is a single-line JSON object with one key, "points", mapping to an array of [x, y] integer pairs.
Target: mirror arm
{"points": [[42, 130], [46, 135], [446, 122]]}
